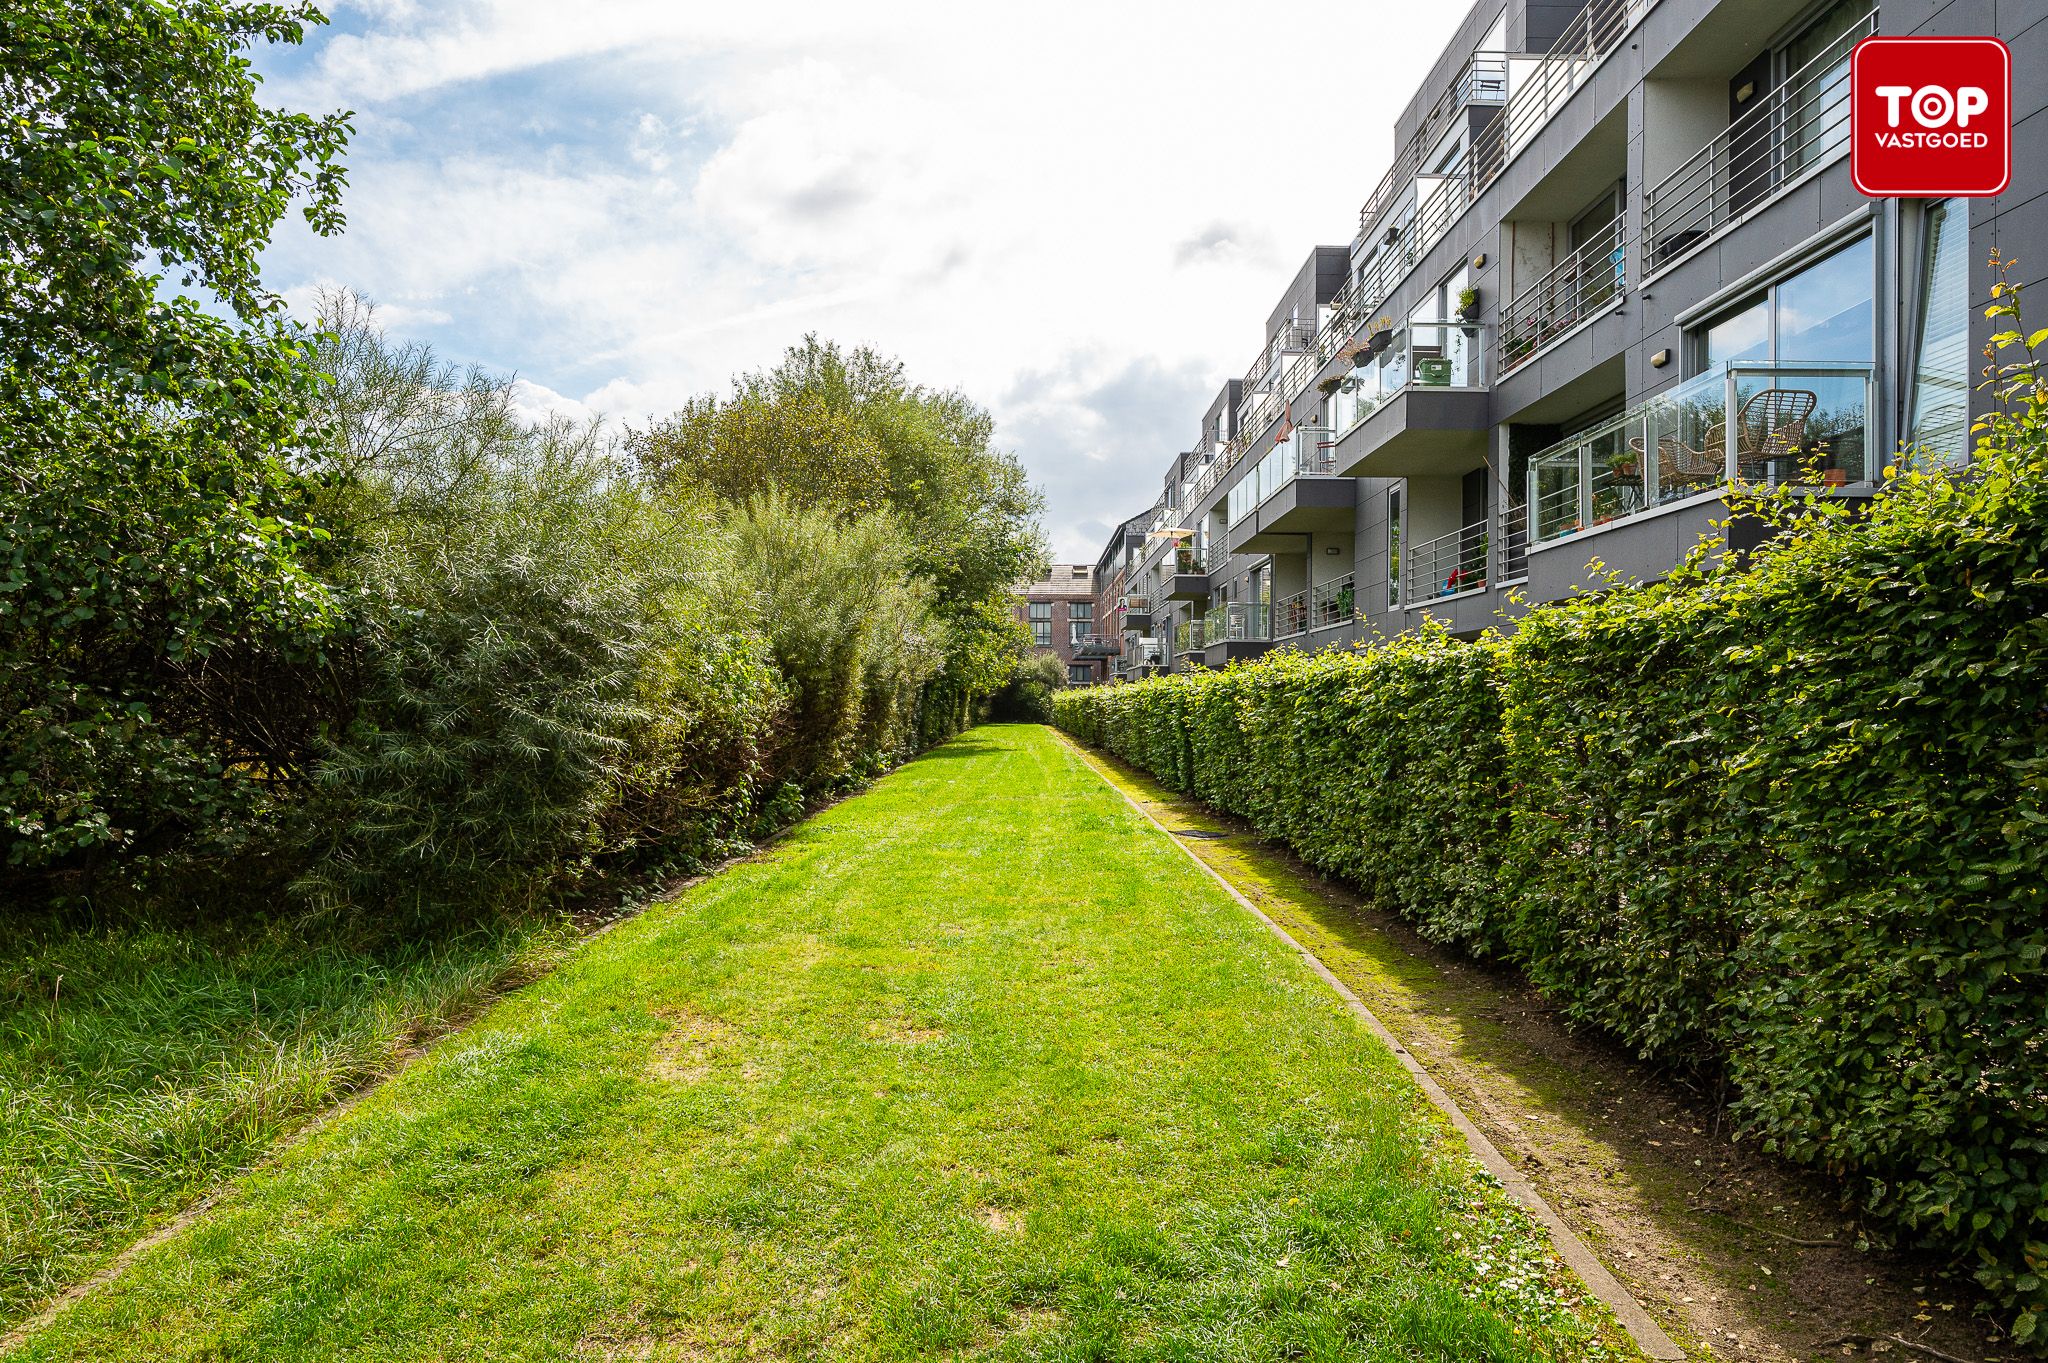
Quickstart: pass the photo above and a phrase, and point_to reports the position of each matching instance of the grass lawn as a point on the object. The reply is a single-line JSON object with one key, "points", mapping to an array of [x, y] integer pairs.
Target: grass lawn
{"points": [[140, 1064], [974, 1064]]}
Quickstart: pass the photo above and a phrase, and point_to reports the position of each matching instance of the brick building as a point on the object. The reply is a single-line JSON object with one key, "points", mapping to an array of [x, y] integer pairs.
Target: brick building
{"points": [[1060, 613]]}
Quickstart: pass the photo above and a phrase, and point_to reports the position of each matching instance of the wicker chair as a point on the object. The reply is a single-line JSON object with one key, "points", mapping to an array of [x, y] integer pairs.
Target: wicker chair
{"points": [[1680, 465], [1772, 427]]}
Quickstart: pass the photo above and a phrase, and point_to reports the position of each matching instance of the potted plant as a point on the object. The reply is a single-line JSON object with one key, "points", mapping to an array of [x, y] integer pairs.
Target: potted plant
{"points": [[1468, 305], [1381, 336]]}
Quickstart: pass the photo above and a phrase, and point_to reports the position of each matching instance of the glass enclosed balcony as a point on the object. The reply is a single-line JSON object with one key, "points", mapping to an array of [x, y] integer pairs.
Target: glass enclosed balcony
{"points": [[1306, 452], [1421, 355], [1238, 622], [1791, 422]]}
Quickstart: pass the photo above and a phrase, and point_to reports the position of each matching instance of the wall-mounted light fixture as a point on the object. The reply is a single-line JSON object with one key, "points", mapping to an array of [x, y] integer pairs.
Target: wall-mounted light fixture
{"points": [[1479, 261], [1744, 90], [1330, 549], [1660, 359]]}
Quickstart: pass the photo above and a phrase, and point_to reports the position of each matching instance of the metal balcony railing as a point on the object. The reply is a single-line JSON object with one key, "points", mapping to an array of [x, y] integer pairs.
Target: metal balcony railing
{"points": [[1802, 124], [1308, 451], [1290, 615], [1187, 637], [1541, 91], [1291, 337], [1758, 421], [1097, 646], [1577, 288], [1333, 603], [1447, 565], [1514, 543], [1483, 80]]}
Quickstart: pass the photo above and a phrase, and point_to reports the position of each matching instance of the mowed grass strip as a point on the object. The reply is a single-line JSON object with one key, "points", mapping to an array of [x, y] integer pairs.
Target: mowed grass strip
{"points": [[976, 1064], [141, 1064]]}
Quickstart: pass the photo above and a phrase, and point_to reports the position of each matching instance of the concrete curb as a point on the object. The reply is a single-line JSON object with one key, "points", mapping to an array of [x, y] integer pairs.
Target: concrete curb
{"points": [[1647, 1334]]}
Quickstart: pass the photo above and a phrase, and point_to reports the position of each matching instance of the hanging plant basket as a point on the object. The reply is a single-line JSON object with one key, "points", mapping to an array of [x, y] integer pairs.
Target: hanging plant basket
{"points": [[1328, 387], [1380, 340]]}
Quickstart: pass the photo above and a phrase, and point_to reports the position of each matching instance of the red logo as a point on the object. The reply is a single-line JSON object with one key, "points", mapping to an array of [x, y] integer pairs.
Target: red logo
{"points": [[1930, 117]]}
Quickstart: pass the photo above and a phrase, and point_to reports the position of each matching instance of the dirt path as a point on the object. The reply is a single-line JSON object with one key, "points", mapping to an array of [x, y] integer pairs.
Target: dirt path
{"points": [[1734, 1254]]}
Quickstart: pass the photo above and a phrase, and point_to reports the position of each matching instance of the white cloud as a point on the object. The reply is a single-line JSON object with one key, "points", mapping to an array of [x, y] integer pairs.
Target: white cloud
{"points": [[1065, 210], [534, 402]]}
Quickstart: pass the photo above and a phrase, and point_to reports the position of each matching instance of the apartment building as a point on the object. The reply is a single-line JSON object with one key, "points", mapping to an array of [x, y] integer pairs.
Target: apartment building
{"points": [[1617, 263], [1060, 612]]}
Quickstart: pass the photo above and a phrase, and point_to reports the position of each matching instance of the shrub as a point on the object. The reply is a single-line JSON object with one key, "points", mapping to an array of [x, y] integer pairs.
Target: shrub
{"points": [[163, 646], [543, 670], [847, 626], [1382, 766], [1027, 697]]}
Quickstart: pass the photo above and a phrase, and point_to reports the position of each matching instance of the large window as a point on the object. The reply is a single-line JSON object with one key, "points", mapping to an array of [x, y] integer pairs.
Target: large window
{"points": [[1801, 352], [1080, 619], [1393, 549], [1821, 313], [1814, 68], [1040, 614], [1080, 674], [1938, 420]]}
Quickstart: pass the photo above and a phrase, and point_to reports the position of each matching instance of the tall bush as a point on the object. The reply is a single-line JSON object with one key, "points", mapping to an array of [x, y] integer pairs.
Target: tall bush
{"points": [[544, 671], [846, 624]]}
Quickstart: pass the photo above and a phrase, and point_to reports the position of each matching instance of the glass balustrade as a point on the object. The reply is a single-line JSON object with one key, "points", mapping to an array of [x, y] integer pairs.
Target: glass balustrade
{"points": [[1805, 423], [1421, 354]]}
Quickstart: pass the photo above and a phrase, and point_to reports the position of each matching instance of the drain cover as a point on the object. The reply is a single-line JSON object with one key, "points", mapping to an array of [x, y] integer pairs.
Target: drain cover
{"points": [[1198, 833]]}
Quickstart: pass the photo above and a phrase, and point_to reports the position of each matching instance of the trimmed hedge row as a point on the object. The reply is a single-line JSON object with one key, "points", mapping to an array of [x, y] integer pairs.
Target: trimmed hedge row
{"points": [[1782, 820]]}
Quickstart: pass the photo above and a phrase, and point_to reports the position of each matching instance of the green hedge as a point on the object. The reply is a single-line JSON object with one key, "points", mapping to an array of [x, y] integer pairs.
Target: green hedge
{"points": [[1782, 820]]}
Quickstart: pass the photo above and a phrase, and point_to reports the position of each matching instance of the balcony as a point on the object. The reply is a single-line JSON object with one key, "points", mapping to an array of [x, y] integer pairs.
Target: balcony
{"points": [[1577, 289], [1416, 408], [1793, 422], [1292, 491], [1536, 88], [1483, 81], [1797, 128], [1323, 606], [1444, 566], [1098, 646], [1241, 629], [1136, 611], [1189, 580]]}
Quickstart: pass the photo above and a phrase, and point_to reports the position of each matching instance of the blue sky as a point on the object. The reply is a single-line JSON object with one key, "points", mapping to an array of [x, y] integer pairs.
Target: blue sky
{"points": [[1079, 214]]}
